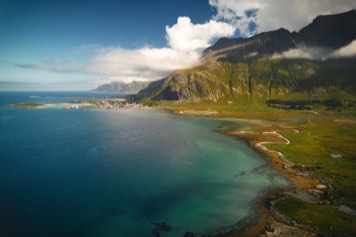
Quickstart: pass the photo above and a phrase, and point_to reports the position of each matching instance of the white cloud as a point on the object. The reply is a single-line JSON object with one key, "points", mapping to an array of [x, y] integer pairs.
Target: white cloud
{"points": [[55, 65], [318, 53], [234, 12], [185, 40], [274, 14], [346, 52], [306, 52], [140, 64], [185, 36], [294, 53]]}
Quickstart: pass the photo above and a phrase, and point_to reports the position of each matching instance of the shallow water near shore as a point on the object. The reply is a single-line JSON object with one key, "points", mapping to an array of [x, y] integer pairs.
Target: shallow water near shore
{"points": [[92, 172]]}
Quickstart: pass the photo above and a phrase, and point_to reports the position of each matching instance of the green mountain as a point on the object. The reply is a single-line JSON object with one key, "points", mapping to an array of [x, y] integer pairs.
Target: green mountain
{"points": [[254, 69], [132, 87]]}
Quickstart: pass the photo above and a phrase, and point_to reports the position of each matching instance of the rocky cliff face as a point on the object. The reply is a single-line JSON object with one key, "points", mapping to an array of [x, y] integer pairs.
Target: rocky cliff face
{"points": [[333, 31], [259, 79], [262, 44], [244, 69]]}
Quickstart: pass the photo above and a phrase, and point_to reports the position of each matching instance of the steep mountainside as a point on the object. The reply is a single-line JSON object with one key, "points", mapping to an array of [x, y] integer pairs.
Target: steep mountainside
{"points": [[262, 44], [260, 79], [115, 86], [332, 31], [244, 69]]}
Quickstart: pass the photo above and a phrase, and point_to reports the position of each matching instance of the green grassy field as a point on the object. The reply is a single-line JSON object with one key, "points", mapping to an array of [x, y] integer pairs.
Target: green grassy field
{"points": [[329, 144], [325, 218], [327, 140]]}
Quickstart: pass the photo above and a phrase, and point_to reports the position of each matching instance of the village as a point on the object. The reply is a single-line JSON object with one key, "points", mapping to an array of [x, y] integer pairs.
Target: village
{"points": [[118, 105], [105, 105]]}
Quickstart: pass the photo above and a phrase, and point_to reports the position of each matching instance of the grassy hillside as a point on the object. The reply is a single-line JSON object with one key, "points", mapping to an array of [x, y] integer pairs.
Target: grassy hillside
{"points": [[258, 81]]}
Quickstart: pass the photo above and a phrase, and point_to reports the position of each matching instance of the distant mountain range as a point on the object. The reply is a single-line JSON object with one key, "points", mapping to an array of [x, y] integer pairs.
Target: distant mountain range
{"points": [[315, 63], [122, 87]]}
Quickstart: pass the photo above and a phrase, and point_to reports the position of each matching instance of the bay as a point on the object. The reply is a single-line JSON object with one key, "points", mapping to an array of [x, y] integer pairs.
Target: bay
{"points": [[92, 172]]}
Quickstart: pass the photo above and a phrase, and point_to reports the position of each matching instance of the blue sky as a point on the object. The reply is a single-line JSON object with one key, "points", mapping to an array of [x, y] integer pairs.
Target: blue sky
{"points": [[72, 23], [74, 45], [37, 31]]}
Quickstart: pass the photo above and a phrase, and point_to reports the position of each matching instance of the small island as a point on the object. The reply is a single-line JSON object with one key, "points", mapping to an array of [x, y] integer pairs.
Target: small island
{"points": [[26, 105]]}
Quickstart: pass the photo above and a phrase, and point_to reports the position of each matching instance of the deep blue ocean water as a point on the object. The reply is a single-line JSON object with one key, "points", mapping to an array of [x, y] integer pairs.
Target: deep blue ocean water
{"points": [[91, 172]]}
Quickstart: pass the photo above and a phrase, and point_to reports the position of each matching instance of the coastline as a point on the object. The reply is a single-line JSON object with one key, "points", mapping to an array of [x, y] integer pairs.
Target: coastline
{"points": [[262, 131], [305, 186], [270, 222]]}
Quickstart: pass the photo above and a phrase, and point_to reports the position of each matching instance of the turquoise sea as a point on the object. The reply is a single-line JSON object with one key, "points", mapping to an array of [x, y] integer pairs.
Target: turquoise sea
{"points": [[128, 172]]}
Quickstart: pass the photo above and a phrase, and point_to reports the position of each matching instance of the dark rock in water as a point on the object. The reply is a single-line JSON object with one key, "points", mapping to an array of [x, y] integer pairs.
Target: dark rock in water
{"points": [[112, 211], [155, 232], [189, 234], [161, 227]]}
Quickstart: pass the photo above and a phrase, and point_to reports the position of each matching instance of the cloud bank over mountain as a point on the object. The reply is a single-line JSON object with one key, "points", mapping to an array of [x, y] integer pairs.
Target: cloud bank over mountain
{"points": [[319, 53], [186, 40], [267, 15]]}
